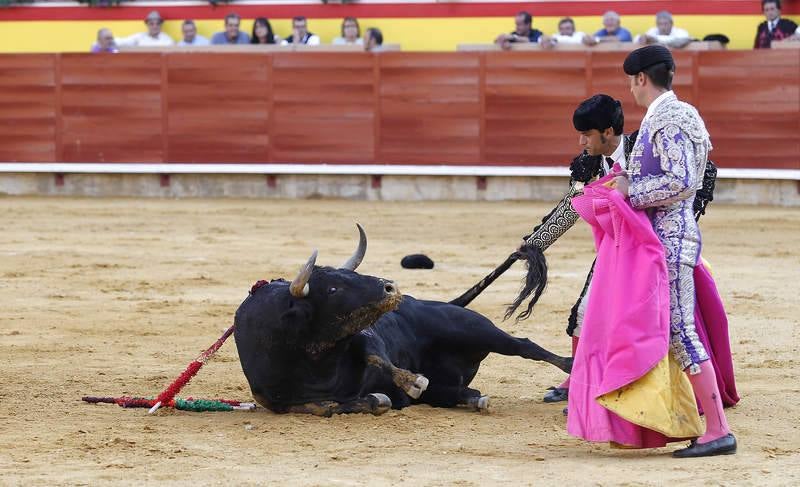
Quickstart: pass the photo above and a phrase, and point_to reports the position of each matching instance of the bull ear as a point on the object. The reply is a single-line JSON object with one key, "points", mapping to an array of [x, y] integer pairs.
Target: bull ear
{"points": [[299, 286], [354, 260], [296, 320]]}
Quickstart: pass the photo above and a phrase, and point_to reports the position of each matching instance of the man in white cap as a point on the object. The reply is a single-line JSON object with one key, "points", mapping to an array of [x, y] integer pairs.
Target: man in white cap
{"points": [[665, 33], [153, 36]]}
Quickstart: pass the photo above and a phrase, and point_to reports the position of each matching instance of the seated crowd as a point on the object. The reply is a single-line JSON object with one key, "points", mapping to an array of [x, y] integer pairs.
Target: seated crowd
{"points": [[262, 33], [774, 28], [664, 32]]}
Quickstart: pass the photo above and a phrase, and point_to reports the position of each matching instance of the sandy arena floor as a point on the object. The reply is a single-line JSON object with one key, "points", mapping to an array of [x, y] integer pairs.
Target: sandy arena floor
{"points": [[116, 296]]}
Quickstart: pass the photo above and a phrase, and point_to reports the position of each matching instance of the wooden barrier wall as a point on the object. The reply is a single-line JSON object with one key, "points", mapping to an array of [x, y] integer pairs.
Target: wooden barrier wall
{"points": [[496, 108]]}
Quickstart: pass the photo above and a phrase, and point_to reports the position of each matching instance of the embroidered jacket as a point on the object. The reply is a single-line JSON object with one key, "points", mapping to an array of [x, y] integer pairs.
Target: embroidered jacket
{"points": [[675, 140]]}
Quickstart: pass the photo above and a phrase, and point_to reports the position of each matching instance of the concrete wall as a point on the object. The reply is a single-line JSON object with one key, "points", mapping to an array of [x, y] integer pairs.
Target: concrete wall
{"points": [[359, 187]]}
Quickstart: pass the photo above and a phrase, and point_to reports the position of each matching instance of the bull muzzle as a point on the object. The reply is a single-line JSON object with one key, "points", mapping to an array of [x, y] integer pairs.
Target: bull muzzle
{"points": [[390, 288]]}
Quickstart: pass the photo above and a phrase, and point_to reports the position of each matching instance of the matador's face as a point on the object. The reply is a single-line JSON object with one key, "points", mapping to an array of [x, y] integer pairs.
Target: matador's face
{"points": [[637, 89], [594, 142]]}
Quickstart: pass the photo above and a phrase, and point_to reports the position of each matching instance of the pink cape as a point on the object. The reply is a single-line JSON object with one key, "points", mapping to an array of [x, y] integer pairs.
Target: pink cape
{"points": [[626, 327], [617, 346], [711, 323]]}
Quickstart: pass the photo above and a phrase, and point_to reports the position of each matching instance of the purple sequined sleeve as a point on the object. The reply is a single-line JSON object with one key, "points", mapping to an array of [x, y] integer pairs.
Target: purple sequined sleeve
{"points": [[668, 172]]}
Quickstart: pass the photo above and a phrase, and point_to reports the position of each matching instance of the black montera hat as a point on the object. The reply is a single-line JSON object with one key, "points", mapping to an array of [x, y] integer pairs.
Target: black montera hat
{"points": [[599, 113], [644, 57], [416, 261], [721, 38]]}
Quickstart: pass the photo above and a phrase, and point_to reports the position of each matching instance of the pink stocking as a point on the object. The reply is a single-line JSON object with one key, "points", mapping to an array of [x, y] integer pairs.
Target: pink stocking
{"points": [[707, 392], [565, 384]]}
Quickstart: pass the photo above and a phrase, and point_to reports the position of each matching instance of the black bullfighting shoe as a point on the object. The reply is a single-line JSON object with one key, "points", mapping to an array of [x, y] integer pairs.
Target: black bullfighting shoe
{"points": [[721, 446], [556, 394]]}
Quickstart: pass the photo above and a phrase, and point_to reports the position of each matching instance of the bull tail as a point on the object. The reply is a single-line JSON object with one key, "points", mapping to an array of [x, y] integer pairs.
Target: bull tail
{"points": [[535, 280], [478, 288]]}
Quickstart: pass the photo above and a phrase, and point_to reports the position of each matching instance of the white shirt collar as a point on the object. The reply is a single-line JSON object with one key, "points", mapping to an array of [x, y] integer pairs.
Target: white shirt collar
{"points": [[618, 156], [658, 101], [619, 152]]}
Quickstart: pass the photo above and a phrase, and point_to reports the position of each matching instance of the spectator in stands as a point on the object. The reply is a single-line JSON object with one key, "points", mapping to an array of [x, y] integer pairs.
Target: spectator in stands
{"points": [[105, 41], [190, 37], [612, 31], [232, 34], [373, 40], [665, 33], [774, 28], [153, 36], [300, 33], [522, 33], [262, 32], [351, 33], [566, 35]]}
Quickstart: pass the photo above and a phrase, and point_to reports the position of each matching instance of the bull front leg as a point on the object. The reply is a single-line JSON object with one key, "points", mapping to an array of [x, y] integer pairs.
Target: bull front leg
{"points": [[412, 384], [375, 403]]}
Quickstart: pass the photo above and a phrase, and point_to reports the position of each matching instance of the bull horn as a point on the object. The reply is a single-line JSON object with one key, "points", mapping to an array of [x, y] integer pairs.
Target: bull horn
{"points": [[354, 261], [299, 287]]}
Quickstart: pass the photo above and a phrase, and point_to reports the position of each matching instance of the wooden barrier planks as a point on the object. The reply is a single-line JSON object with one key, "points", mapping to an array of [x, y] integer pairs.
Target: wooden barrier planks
{"points": [[323, 108], [28, 108], [751, 103], [218, 107], [430, 108], [496, 108], [111, 108], [530, 97]]}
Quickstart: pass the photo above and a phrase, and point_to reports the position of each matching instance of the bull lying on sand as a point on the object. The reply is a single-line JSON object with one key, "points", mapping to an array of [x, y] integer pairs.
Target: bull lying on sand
{"points": [[335, 341]]}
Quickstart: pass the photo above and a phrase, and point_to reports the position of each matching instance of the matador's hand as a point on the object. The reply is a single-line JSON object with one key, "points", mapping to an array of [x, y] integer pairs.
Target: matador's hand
{"points": [[621, 184]]}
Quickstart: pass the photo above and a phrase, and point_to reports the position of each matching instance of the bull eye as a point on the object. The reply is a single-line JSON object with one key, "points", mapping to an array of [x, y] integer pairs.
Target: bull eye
{"points": [[332, 290]]}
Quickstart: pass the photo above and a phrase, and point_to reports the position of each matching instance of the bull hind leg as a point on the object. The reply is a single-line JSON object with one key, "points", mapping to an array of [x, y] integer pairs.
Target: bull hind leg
{"points": [[480, 334], [530, 350], [375, 403], [453, 396], [451, 375]]}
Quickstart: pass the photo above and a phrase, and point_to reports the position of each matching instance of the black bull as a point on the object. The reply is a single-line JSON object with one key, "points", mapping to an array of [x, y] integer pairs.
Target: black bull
{"points": [[335, 341]]}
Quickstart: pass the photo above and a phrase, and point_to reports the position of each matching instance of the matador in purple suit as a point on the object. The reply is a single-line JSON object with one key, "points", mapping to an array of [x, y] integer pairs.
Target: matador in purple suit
{"points": [[665, 169]]}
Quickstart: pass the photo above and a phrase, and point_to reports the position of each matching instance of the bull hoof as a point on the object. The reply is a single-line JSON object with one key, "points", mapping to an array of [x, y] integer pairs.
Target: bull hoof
{"points": [[480, 404], [416, 389], [379, 403], [419, 386]]}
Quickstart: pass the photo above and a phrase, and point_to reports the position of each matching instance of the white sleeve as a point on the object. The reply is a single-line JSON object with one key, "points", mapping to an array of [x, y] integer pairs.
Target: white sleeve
{"points": [[313, 40], [131, 40], [678, 33]]}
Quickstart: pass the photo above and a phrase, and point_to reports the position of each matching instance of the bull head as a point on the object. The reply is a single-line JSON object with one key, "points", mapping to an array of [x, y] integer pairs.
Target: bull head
{"points": [[342, 302], [299, 287]]}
